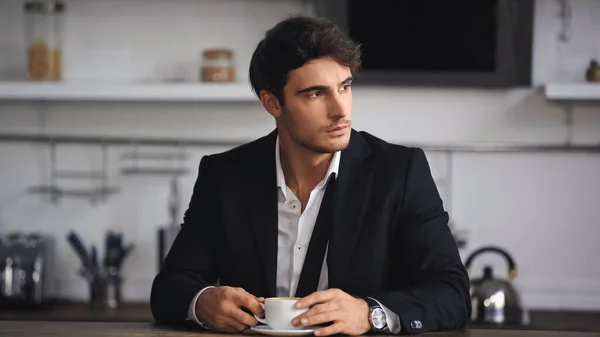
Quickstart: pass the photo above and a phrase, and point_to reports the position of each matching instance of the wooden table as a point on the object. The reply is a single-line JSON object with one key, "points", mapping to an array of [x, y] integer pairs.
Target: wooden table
{"points": [[97, 329], [140, 313], [82, 312]]}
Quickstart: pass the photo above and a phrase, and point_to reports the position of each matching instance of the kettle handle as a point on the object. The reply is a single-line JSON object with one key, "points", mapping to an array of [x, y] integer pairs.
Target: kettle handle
{"points": [[512, 268]]}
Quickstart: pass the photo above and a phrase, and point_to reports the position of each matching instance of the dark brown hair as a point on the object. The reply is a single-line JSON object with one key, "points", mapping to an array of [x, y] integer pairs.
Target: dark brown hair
{"points": [[293, 42]]}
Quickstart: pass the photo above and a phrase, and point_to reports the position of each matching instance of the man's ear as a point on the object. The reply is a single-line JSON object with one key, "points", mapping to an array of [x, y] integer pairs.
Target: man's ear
{"points": [[270, 103]]}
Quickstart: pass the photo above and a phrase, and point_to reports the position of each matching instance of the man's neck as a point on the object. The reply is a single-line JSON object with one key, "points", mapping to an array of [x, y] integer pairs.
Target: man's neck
{"points": [[303, 169]]}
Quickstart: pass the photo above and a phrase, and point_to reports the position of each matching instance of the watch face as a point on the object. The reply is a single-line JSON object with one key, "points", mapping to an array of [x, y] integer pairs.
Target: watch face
{"points": [[378, 318]]}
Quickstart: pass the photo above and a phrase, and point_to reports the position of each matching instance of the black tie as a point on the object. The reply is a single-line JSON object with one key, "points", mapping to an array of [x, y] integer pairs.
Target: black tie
{"points": [[313, 262]]}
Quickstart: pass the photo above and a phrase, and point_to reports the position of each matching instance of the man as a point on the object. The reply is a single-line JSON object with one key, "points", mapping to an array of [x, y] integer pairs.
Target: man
{"points": [[347, 222]]}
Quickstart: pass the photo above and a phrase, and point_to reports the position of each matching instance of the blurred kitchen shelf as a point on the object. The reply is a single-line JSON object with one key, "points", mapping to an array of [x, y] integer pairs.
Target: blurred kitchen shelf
{"points": [[144, 91], [573, 91]]}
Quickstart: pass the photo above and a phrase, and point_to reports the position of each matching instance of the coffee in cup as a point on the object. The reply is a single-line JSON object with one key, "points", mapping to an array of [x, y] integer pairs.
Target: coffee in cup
{"points": [[279, 313]]}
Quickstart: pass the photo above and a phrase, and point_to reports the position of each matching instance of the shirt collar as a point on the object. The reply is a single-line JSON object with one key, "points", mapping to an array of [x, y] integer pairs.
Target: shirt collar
{"points": [[334, 167]]}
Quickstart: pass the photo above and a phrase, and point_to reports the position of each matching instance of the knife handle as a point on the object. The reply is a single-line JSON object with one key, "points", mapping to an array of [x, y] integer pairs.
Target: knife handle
{"points": [[79, 249]]}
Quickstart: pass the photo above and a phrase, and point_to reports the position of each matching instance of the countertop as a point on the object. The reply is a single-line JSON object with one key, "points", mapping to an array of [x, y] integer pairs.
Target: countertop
{"points": [[140, 313], [80, 312], [72, 329]]}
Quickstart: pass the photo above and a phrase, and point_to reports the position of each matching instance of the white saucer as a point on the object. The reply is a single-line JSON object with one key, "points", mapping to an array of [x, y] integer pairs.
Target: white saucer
{"points": [[266, 330]]}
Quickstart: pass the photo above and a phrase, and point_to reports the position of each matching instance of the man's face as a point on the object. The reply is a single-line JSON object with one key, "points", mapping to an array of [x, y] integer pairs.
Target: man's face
{"points": [[318, 106]]}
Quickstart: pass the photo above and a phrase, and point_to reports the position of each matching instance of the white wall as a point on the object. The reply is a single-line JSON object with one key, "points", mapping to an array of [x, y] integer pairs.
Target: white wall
{"points": [[539, 206]]}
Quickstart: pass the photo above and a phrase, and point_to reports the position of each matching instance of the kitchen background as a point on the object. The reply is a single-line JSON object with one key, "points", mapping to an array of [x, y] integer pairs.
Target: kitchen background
{"points": [[541, 207]]}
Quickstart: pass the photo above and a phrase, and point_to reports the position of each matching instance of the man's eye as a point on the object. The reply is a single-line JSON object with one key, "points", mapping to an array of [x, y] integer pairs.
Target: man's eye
{"points": [[316, 94], [346, 87]]}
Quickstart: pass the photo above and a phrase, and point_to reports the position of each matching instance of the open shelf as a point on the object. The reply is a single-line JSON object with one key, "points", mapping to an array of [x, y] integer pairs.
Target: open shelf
{"points": [[144, 91], [573, 91]]}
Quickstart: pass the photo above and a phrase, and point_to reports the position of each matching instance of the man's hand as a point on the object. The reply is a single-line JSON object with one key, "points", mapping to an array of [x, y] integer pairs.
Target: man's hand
{"points": [[349, 315], [221, 309]]}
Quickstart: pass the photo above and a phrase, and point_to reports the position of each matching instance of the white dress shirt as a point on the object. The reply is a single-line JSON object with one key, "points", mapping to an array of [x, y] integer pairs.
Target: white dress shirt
{"points": [[294, 232]]}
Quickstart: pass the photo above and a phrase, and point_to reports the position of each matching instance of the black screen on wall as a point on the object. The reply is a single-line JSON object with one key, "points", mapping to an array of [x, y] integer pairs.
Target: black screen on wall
{"points": [[425, 35]]}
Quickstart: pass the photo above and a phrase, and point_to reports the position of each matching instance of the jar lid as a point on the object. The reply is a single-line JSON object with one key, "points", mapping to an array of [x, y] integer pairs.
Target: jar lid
{"points": [[217, 53], [44, 6]]}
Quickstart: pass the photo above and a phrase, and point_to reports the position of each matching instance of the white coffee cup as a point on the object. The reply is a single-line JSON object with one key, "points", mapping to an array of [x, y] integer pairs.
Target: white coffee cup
{"points": [[279, 313]]}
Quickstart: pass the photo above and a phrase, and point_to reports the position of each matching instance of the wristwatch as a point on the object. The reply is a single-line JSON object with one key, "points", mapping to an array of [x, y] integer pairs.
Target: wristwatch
{"points": [[376, 315]]}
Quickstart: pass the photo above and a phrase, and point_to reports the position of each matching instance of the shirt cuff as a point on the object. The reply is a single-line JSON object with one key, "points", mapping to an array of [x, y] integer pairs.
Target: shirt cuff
{"points": [[192, 309], [392, 319]]}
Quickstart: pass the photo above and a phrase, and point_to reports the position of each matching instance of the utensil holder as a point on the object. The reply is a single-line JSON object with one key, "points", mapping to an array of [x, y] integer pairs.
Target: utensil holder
{"points": [[105, 292]]}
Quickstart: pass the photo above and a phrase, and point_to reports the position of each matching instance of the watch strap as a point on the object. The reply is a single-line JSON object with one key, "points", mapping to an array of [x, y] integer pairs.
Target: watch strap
{"points": [[373, 304]]}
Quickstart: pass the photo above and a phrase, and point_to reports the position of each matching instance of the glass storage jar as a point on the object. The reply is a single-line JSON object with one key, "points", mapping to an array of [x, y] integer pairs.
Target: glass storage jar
{"points": [[44, 39], [217, 66]]}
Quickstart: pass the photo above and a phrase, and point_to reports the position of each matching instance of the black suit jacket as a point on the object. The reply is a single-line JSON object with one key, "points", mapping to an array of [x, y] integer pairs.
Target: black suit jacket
{"points": [[390, 239]]}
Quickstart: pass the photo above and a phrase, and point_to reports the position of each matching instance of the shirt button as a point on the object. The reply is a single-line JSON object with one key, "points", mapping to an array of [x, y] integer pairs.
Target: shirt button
{"points": [[299, 248]]}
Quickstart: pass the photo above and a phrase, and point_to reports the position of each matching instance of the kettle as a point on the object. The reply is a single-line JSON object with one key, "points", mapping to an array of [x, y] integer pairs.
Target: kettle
{"points": [[494, 300]]}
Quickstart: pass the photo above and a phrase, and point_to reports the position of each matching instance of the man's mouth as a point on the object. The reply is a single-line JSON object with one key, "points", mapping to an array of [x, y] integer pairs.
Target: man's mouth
{"points": [[338, 128]]}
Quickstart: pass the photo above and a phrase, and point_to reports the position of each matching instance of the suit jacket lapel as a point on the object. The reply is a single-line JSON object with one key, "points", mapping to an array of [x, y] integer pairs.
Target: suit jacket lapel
{"points": [[262, 203], [351, 198]]}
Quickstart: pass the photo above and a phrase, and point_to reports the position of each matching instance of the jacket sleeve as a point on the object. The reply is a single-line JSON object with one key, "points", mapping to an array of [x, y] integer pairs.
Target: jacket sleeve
{"points": [[192, 262], [430, 290]]}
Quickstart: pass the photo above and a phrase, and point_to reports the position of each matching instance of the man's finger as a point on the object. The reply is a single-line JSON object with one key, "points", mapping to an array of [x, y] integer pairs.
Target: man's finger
{"points": [[243, 318], [243, 291], [322, 318], [316, 297], [330, 330], [317, 309], [252, 304], [233, 325], [244, 299]]}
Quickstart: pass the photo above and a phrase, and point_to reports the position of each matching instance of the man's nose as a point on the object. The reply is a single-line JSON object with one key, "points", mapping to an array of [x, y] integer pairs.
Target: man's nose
{"points": [[338, 106]]}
